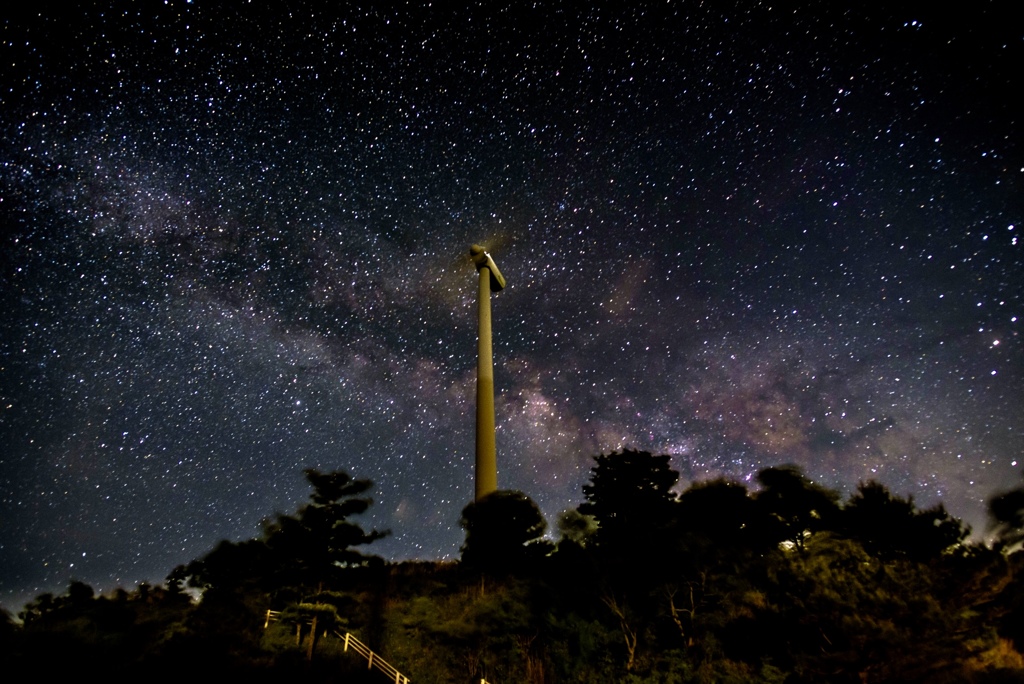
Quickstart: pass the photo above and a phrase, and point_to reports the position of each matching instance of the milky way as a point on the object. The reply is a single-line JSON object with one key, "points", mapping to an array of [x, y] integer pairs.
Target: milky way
{"points": [[235, 245]]}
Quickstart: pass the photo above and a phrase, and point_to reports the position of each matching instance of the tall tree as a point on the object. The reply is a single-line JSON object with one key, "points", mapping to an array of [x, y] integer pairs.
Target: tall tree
{"points": [[503, 532], [305, 550], [794, 506], [313, 546], [889, 526], [717, 513], [713, 564], [630, 496]]}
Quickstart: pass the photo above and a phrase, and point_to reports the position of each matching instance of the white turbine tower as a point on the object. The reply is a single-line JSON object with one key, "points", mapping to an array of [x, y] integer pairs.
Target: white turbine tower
{"points": [[486, 449]]}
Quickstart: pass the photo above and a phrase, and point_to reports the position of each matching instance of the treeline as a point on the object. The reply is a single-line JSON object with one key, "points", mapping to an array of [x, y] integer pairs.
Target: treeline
{"points": [[784, 582]]}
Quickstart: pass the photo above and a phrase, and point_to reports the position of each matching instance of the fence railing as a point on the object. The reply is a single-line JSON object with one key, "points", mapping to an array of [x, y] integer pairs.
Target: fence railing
{"points": [[373, 659]]}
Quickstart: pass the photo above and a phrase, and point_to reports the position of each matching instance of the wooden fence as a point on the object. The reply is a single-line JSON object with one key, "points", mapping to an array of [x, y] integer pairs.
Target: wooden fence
{"points": [[373, 659]]}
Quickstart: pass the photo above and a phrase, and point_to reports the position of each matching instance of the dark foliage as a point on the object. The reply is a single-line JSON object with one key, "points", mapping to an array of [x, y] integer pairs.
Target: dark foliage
{"points": [[1007, 512], [713, 584], [503, 533], [889, 527], [311, 549], [630, 497], [793, 507], [314, 546]]}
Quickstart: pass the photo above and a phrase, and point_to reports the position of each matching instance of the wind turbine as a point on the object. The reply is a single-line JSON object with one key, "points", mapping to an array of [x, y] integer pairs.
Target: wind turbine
{"points": [[486, 450]]}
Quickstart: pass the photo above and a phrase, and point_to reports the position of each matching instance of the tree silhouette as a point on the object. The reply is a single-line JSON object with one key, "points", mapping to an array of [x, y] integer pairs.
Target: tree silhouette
{"points": [[1007, 513], [794, 507], [80, 632], [890, 527], [230, 566], [645, 586], [713, 560], [503, 532], [313, 546], [630, 496], [297, 554], [718, 513]]}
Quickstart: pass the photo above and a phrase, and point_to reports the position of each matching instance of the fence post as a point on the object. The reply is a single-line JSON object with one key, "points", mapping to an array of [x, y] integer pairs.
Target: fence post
{"points": [[312, 641]]}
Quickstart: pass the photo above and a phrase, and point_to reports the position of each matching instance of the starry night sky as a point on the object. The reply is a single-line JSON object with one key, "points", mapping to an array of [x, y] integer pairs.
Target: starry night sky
{"points": [[235, 245]]}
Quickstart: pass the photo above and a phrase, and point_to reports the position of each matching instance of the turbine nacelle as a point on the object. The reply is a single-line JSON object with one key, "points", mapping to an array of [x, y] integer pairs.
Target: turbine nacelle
{"points": [[483, 260]]}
